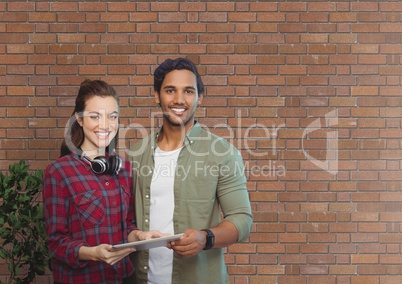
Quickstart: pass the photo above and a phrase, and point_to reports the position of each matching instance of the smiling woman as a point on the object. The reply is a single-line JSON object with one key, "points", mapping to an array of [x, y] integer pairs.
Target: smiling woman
{"points": [[87, 195], [99, 122], [96, 101]]}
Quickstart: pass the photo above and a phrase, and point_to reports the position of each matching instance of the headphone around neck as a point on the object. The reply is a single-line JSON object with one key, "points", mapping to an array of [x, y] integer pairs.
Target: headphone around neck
{"points": [[102, 165]]}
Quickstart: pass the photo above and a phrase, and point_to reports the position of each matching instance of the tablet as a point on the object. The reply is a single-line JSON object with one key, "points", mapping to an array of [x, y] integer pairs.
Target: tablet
{"points": [[148, 244]]}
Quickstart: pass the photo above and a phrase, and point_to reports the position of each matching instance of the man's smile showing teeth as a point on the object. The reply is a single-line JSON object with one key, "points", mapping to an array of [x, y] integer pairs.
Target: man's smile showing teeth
{"points": [[178, 110]]}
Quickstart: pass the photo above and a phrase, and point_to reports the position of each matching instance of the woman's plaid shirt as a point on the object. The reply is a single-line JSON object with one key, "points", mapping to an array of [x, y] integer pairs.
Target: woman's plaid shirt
{"points": [[85, 209]]}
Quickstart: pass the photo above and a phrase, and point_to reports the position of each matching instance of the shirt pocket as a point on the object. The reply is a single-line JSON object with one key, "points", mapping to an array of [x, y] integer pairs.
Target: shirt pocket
{"points": [[199, 200], [90, 208]]}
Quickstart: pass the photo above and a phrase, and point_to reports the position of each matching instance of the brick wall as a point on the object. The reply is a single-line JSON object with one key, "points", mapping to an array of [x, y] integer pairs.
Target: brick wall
{"points": [[309, 91]]}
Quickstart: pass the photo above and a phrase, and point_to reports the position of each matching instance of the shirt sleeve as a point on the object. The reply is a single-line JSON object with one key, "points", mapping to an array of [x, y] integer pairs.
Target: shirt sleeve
{"points": [[55, 204], [131, 223], [233, 195]]}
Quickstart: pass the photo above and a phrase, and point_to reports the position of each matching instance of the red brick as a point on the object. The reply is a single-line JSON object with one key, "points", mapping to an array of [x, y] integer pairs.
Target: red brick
{"points": [[42, 17], [321, 6], [121, 7], [84, 49], [20, 6], [342, 17], [114, 17], [42, 38], [314, 38], [92, 7], [241, 17], [313, 17], [63, 48], [20, 112], [63, 7], [92, 27], [320, 48], [293, 7], [164, 6], [20, 69], [292, 28], [263, 27], [20, 91], [20, 28], [42, 59], [121, 28], [64, 18]]}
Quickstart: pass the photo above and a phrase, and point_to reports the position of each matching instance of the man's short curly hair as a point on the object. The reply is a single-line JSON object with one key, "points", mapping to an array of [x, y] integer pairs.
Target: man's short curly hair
{"points": [[176, 64]]}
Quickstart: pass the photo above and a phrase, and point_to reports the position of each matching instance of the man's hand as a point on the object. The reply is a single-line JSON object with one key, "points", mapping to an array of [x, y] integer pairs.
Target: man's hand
{"points": [[190, 244], [194, 241]]}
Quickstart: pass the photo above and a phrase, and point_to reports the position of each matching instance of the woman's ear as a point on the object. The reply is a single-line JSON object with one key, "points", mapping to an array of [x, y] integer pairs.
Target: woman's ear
{"points": [[78, 118]]}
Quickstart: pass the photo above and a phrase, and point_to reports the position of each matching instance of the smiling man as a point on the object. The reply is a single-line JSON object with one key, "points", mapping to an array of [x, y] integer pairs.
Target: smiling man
{"points": [[184, 176]]}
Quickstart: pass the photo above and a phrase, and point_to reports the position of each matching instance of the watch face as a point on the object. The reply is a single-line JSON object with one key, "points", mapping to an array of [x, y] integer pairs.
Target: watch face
{"points": [[210, 239]]}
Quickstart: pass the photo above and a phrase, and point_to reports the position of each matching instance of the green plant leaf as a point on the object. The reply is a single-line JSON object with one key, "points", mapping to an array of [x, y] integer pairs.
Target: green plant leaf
{"points": [[22, 223], [3, 253], [5, 232]]}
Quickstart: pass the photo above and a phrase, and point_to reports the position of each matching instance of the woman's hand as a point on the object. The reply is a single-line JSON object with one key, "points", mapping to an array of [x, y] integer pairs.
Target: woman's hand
{"points": [[103, 253]]}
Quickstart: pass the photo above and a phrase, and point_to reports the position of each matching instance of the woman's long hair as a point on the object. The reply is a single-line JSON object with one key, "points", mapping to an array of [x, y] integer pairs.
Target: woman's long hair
{"points": [[74, 134]]}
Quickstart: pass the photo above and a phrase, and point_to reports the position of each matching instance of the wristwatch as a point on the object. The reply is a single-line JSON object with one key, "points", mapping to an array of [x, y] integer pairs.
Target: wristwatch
{"points": [[210, 239]]}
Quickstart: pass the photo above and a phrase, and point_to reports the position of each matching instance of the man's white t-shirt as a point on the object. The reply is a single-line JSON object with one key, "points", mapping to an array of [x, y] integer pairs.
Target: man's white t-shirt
{"points": [[161, 214]]}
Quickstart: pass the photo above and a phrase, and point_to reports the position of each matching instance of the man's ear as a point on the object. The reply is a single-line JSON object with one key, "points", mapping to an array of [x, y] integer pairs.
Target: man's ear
{"points": [[200, 97], [78, 118], [156, 95]]}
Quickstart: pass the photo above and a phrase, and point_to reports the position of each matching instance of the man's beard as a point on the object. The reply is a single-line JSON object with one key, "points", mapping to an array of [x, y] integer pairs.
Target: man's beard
{"points": [[176, 121]]}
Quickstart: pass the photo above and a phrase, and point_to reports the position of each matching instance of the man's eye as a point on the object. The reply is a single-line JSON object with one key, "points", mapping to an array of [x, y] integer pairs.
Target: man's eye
{"points": [[96, 117], [113, 117]]}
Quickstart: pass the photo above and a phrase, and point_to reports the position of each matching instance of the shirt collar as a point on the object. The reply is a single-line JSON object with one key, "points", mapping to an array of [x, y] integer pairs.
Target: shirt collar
{"points": [[190, 137], [78, 155]]}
